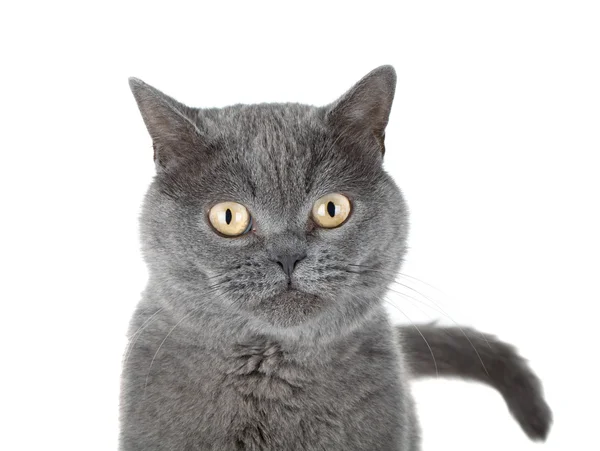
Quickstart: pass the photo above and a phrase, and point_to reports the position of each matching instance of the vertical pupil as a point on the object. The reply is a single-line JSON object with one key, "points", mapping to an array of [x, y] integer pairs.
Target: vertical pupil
{"points": [[331, 209], [228, 216]]}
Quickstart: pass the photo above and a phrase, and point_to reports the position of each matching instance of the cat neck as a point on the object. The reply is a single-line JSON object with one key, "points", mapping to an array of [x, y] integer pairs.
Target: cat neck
{"points": [[205, 318]]}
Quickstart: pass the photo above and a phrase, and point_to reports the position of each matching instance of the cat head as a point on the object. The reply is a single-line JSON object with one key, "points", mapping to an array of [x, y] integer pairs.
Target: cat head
{"points": [[281, 212]]}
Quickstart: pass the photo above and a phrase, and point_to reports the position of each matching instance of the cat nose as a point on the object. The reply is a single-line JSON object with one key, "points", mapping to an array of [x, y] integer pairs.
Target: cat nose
{"points": [[288, 262]]}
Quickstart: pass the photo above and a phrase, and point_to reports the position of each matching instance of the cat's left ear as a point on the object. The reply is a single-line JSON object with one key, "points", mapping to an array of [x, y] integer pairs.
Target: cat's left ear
{"points": [[175, 136], [364, 110]]}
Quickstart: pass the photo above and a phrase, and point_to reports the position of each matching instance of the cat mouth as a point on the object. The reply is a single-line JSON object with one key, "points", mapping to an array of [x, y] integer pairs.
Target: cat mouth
{"points": [[289, 307], [294, 295], [292, 291]]}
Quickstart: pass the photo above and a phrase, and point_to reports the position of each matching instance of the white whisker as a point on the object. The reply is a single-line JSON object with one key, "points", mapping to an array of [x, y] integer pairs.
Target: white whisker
{"points": [[137, 334], [160, 346], [418, 330]]}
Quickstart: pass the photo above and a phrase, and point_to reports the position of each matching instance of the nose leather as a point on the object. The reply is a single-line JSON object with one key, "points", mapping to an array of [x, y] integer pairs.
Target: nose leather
{"points": [[288, 262]]}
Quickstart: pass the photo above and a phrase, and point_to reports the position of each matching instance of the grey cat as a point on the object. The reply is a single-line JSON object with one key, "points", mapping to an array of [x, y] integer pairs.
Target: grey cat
{"points": [[271, 233]]}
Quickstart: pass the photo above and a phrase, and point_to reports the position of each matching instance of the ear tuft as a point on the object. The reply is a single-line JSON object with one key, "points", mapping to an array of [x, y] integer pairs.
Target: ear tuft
{"points": [[170, 124], [365, 109]]}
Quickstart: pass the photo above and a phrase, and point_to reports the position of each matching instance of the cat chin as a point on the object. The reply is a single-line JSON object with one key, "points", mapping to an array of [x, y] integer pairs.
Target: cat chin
{"points": [[289, 308]]}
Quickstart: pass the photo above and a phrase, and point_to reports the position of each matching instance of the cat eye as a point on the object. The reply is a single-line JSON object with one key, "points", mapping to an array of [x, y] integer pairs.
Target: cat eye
{"points": [[331, 210], [230, 219]]}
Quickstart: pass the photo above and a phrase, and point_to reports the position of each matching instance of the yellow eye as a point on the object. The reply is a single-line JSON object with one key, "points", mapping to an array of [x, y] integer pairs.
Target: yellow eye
{"points": [[331, 210], [230, 218]]}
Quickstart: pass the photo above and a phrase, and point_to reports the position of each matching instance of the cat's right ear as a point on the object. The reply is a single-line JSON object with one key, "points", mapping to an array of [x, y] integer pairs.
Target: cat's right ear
{"points": [[174, 133]]}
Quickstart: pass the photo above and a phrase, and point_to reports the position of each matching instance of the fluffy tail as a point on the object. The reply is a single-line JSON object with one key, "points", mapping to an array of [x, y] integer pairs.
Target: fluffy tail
{"points": [[469, 354]]}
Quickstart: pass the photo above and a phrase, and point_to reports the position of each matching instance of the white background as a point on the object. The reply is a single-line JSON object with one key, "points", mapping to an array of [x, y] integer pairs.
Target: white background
{"points": [[494, 139]]}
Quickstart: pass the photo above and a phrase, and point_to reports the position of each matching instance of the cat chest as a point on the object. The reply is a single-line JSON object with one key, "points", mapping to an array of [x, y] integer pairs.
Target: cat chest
{"points": [[278, 401], [255, 397], [263, 373]]}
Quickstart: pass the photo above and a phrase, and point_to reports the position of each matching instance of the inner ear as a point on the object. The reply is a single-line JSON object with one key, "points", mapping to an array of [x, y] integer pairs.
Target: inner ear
{"points": [[171, 124], [364, 110]]}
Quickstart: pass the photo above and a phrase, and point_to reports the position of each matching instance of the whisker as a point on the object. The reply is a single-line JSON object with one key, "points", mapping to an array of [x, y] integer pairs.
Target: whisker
{"points": [[442, 310], [467, 337], [211, 289], [137, 334], [412, 302], [420, 281], [412, 298], [418, 330], [161, 344], [438, 307], [434, 307]]}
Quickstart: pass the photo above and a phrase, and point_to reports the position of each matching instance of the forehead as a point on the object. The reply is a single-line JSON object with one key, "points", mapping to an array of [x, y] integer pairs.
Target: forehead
{"points": [[270, 147], [276, 158], [267, 132]]}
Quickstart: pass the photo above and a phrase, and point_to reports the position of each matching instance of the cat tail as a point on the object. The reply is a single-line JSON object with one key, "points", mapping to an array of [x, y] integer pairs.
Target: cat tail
{"points": [[431, 350]]}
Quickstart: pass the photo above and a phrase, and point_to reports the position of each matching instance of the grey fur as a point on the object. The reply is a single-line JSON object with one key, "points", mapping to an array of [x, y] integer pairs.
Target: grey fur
{"points": [[228, 353]]}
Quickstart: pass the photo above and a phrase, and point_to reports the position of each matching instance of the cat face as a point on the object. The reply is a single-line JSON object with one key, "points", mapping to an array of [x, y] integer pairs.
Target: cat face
{"points": [[280, 211]]}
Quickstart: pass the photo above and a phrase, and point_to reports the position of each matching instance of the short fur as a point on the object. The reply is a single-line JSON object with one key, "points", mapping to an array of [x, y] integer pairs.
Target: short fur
{"points": [[229, 353]]}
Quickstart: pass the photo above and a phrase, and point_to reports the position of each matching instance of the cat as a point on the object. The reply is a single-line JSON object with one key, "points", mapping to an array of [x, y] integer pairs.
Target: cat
{"points": [[271, 233]]}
